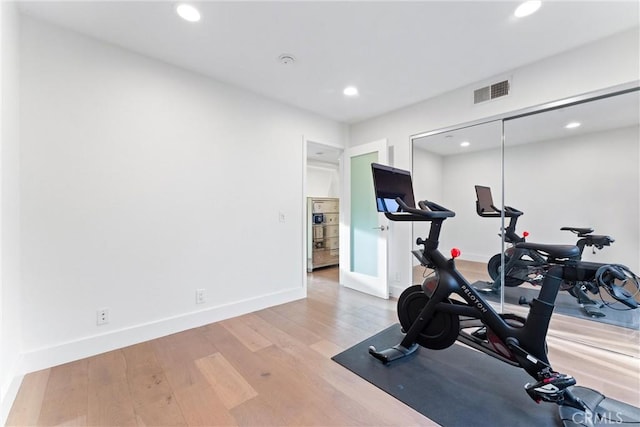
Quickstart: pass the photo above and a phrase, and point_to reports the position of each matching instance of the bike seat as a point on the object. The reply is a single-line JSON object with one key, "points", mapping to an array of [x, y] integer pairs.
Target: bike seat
{"points": [[598, 240], [579, 231], [554, 251]]}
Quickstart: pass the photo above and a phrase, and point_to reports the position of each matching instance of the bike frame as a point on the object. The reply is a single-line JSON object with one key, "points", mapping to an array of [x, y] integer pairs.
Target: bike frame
{"points": [[527, 344], [517, 261]]}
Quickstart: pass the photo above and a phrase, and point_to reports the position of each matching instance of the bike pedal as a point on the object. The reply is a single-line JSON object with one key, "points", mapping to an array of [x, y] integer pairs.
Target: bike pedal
{"points": [[593, 310], [550, 389], [480, 334], [532, 394]]}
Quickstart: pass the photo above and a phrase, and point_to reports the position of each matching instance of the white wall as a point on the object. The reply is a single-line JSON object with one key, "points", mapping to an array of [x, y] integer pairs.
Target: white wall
{"points": [[427, 175], [602, 64], [10, 289], [323, 180], [427, 184], [609, 62], [590, 180], [142, 182]]}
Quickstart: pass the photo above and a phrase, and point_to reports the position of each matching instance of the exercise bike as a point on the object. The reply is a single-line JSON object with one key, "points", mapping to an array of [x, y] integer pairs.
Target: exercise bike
{"points": [[528, 265], [445, 308]]}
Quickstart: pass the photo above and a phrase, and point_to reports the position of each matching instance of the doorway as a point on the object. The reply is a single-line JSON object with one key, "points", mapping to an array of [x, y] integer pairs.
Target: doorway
{"points": [[322, 205]]}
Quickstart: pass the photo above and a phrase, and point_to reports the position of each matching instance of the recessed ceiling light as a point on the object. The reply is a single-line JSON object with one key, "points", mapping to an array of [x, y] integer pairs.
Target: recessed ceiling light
{"points": [[188, 12], [350, 91], [465, 144], [573, 125], [527, 8]]}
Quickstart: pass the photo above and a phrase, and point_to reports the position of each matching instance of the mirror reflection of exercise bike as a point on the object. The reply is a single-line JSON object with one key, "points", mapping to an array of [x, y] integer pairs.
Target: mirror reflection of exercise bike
{"points": [[446, 308], [525, 264]]}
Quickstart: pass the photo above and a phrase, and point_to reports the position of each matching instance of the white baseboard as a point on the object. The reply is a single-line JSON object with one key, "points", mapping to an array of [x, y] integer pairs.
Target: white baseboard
{"points": [[9, 393], [47, 357], [396, 290]]}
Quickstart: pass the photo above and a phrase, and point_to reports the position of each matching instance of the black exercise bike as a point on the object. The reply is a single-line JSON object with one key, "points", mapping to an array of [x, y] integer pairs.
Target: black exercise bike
{"points": [[529, 265], [446, 308]]}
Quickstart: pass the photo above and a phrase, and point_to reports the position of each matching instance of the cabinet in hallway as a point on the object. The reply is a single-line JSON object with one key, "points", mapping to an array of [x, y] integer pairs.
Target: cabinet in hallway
{"points": [[323, 225]]}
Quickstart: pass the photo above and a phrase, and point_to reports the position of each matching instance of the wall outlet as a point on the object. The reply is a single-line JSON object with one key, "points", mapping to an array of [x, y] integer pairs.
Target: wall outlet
{"points": [[102, 316], [200, 297]]}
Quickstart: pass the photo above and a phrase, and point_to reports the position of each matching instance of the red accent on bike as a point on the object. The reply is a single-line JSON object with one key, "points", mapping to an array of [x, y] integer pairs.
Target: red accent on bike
{"points": [[455, 253], [525, 234]]}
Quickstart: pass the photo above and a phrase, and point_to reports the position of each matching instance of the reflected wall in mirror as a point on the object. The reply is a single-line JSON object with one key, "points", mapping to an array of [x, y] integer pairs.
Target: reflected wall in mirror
{"points": [[577, 167], [446, 168], [580, 175]]}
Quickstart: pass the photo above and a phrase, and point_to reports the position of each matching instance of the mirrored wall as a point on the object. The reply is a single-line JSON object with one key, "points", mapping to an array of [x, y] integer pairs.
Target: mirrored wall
{"points": [[575, 166], [446, 168]]}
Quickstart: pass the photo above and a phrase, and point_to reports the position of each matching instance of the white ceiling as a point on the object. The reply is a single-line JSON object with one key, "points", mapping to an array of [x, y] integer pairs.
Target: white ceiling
{"points": [[397, 53], [321, 154]]}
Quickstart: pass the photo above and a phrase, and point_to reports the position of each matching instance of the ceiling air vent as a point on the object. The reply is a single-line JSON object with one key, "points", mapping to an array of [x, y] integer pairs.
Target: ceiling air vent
{"points": [[493, 91]]}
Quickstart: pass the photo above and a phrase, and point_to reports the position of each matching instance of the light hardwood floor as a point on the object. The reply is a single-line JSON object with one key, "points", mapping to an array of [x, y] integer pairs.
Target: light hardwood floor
{"points": [[273, 367]]}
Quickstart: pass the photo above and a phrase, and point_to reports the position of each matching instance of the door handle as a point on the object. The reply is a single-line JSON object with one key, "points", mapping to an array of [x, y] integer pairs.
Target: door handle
{"points": [[381, 228]]}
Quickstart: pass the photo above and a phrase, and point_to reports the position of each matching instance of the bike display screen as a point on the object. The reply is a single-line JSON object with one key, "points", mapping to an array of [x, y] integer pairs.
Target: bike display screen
{"points": [[390, 183], [485, 200]]}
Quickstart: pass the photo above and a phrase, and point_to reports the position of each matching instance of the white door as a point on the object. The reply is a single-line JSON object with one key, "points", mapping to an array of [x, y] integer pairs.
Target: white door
{"points": [[364, 231]]}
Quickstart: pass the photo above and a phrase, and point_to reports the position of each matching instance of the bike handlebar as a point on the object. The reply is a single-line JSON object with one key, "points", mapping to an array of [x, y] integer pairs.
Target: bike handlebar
{"points": [[509, 212], [428, 211], [606, 278], [435, 210]]}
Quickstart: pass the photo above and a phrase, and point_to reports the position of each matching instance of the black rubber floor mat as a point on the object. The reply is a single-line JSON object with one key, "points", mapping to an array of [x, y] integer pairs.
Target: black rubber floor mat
{"points": [[457, 386], [604, 411]]}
